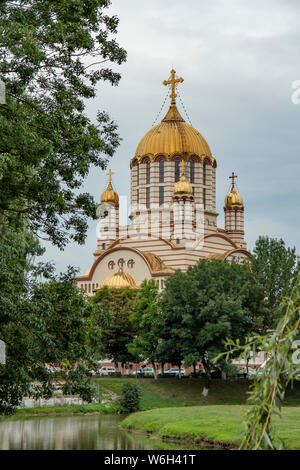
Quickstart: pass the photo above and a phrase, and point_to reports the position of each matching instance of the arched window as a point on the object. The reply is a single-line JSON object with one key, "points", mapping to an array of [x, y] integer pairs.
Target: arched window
{"points": [[148, 165], [177, 161], [192, 171], [148, 197], [204, 172], [161, 171]]}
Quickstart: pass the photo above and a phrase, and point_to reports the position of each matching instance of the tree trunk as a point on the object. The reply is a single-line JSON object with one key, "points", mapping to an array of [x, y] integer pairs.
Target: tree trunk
{"points": [[195, 372], [154, 371], [162, 368], [207, 378], [179, 373]]}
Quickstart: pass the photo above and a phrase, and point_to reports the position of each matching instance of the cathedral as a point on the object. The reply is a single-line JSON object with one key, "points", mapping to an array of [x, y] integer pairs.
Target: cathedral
{"points": [[173, 214]]}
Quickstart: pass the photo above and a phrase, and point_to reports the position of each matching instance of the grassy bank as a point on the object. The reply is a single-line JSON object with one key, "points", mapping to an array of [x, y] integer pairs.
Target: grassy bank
{"points": [[70, 409], [220, 424], [172, 392]]}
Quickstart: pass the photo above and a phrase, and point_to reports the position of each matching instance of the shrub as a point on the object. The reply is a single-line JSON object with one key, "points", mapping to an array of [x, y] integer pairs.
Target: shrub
{"points": [[131, 394]]}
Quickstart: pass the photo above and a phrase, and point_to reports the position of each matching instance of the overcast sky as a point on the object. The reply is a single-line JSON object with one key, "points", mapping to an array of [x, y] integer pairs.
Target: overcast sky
{"points": [[238, 60]]}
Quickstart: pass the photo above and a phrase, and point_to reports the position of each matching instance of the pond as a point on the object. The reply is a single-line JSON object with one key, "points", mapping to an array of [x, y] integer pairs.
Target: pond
{"points": [[84, 432]]}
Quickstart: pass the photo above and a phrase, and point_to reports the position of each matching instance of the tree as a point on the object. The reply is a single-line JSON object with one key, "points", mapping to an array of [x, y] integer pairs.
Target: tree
{"points": [[211, 301], [40, 322], [112, 318], [276, 268], [52, 55], [147, 319], [269, 384]]}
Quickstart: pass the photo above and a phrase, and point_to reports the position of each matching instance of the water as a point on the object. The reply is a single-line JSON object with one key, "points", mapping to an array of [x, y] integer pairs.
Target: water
{"points": [[84, 432]]}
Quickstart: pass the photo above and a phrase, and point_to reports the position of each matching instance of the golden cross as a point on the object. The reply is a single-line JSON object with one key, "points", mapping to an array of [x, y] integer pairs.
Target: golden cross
{"points": [[110, 173], [232, 177], [182, 164], [173, 82]]}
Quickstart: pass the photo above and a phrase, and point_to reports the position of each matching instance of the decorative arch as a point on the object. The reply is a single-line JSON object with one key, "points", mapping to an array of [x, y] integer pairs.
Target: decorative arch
{"points": [[220, 235], [160, 157], [146, 257]]}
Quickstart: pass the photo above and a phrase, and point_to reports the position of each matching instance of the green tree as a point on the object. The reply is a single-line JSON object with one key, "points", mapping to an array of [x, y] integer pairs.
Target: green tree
{"points": [[40, 322], [52, 56], [269, 384], [147, 319], [275, 266], [111, 316], [211, 301]]}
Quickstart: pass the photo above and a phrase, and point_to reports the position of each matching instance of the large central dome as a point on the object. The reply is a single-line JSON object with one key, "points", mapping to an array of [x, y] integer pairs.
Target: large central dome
{"points": [[173, 136]]}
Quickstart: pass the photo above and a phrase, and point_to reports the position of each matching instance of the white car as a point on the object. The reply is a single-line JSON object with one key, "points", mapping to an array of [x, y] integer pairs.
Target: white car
{"points": [[107, 370], [147, 371], [174, 371]]}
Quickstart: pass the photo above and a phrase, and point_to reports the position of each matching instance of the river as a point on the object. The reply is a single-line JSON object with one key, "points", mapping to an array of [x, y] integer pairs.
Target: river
{"points": [[76, 432]]}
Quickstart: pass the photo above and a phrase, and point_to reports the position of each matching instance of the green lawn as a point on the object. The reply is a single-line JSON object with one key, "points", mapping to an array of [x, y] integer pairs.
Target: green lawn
{"points": [[165, 393], [215, 423]]}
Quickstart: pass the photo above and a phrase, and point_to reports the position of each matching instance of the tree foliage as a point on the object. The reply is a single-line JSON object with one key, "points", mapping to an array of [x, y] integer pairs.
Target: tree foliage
{"points": [[111, 315], [211, 301], [52, 55], [40, 322], [271, 380], [147, 319], [275, 266]]}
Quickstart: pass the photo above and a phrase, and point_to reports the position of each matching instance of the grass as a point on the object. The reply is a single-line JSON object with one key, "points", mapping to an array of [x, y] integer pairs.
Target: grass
{"points": [[219, 424], [172, 392], [70, 409]]}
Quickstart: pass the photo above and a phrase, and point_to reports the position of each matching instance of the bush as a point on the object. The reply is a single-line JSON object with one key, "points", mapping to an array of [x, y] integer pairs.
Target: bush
{"points": [[131, 394]]}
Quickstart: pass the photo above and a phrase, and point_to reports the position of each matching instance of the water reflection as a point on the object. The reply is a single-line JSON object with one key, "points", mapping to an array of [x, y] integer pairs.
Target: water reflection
{"points": [[89, 432]]}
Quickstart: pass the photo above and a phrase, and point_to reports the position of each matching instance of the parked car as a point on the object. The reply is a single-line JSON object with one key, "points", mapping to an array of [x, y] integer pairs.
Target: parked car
{"points": [[174, 371], [147, 371], [107, 370]]}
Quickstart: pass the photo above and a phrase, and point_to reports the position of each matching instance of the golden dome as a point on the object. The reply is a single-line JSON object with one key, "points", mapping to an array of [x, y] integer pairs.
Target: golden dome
{"points": [[120, 279], [233, 199], [171, 137], [183, 188], [109, 196]]}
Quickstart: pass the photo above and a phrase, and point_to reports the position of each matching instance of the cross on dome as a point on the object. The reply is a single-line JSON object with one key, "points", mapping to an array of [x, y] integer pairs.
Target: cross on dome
{"points": [[233, 177], [182, 164], [110, 173], [173, 82]]}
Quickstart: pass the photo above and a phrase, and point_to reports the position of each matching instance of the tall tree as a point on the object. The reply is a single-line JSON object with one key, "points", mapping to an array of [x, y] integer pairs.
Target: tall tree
{"points": [[52, 55], [147, 318], [40, 322], [113, 307], [275, 266], [211, 301]]}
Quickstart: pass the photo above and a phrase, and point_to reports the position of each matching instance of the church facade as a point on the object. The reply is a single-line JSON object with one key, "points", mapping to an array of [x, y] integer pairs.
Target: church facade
{"points": [[173, 215]]}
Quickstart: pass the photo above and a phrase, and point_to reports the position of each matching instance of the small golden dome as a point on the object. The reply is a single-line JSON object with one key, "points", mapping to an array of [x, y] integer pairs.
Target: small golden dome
{"points": [[233, 199], [173, 136], [109, 196], [183, 188], [118, 280]]}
